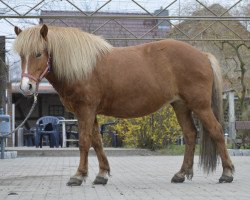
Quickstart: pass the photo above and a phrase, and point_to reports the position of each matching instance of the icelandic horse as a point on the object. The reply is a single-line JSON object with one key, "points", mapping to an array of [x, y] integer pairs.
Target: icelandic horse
{"points": [[93, 77]]}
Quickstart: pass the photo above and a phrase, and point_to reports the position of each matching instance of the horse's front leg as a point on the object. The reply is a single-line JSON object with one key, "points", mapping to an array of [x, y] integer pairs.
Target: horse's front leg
{"points": [[85, 122], [104, 169]]}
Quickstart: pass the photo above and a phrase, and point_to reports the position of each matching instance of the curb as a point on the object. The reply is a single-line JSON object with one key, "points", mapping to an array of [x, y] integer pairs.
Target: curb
{"points": [[13, 152], [10, 154], [239, 152], [74, 152]]}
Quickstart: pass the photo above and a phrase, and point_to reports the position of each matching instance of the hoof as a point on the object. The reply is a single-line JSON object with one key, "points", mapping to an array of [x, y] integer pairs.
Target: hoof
{"points": [[226, 179], [74, 181], [177, 179], [100, 180]]}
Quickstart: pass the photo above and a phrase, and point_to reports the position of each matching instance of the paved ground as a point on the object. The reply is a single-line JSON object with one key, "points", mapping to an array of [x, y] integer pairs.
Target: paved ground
{"points": [[137, 177]]}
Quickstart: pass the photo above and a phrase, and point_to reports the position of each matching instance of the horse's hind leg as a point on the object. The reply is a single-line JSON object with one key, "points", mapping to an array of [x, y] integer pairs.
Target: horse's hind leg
{"points": [[215, 131], [104, 169], [184, 117]]}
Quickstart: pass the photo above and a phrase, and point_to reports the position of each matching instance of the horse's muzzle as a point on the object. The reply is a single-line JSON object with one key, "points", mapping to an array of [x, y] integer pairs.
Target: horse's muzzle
{"points": [[27, 87]]}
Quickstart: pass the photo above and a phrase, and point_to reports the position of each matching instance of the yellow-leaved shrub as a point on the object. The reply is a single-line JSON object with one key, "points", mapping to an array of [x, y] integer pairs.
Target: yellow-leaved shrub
{"points": [[153, 131]]}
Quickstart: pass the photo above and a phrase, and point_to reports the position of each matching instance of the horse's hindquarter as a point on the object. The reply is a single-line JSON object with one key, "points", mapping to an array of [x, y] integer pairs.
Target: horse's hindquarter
{"points": [[136, 81], [193, 74]]}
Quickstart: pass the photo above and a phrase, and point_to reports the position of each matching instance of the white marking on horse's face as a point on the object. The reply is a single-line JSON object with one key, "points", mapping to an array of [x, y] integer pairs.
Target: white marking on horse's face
{"points": [[26, 86]]}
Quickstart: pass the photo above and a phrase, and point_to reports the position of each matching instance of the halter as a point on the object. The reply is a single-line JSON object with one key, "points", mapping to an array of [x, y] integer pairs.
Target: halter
{"points": [[38, 80]]}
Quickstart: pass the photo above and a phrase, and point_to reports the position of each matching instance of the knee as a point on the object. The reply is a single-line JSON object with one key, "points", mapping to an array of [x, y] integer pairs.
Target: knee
{"points": [[84, 145], [83, 148], [97, 140]]}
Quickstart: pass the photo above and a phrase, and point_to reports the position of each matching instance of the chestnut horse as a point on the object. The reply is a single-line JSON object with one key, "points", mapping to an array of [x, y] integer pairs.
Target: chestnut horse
{"points": [[93, 77]]}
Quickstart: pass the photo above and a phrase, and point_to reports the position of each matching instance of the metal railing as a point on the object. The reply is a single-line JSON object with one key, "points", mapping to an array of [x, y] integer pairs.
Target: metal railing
{"points": [[223, 18]]}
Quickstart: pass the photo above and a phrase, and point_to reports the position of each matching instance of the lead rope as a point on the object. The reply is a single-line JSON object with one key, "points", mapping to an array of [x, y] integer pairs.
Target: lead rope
{"points": [[27, 117]]}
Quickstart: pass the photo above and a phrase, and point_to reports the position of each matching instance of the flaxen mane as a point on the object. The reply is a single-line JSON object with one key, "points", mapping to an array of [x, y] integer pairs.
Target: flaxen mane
{"points": [[74, 52]]}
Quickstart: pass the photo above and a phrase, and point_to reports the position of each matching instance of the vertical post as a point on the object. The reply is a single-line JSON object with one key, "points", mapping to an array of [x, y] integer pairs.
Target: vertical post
{"points": [[9, 110], [13, 124], [231, 120], [6, 105], [63, 134], [2, 147], [181, 140], [3, 72], [179, 10], [3, 80], [226, 136], [6, 108], [2, 138]]}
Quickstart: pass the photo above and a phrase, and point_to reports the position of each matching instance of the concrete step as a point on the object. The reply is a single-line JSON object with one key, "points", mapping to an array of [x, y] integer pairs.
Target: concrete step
{"points": [[73, 151], [10, 154], [239, 152]]}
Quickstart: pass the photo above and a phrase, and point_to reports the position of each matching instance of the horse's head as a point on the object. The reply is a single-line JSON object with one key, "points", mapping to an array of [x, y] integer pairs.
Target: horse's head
{"points": [[31, 44]]}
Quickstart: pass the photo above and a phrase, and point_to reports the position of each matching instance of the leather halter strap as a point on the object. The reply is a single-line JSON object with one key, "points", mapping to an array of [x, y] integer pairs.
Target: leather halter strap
{"points": [[47, 70]]}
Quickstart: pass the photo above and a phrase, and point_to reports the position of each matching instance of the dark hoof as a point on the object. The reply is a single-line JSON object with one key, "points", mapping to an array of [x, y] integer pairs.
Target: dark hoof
{"points": [[226, 179], [100, 181], [177, 179], [74, 182]]}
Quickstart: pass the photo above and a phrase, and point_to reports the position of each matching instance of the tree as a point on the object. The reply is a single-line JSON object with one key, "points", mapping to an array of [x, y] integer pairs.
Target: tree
{"points": [[237, 56]]}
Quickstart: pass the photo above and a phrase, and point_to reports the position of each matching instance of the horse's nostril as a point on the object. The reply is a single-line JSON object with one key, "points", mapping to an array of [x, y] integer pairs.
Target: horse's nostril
{"points": [[30, 86]]}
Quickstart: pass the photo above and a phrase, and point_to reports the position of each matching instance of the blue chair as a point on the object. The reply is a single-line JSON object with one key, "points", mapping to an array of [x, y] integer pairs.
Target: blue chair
{"points": [[47, 128]]}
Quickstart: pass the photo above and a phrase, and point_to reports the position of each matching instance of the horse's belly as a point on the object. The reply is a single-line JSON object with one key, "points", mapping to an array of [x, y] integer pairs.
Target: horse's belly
{"points": [[136, 107]]}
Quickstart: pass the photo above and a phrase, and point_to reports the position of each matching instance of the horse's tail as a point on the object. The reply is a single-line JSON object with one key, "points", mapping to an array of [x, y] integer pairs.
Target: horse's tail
{"points": [[208, 150]]}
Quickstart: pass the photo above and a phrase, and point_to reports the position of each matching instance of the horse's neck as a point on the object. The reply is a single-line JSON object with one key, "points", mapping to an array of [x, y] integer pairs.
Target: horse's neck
{"points": [[56, 83]]}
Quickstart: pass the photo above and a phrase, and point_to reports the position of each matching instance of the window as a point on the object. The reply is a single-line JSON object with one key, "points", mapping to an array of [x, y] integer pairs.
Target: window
{"points": [[56, 110]]}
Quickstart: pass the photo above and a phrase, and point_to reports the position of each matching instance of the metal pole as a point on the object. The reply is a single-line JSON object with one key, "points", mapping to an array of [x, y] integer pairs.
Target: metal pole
{"points": [[179, 10], [6, 109], [6, 102], [64, 134], [13, 124], [231, 120], [132, 17], [3, 72], [226, 136], [3, 147]]}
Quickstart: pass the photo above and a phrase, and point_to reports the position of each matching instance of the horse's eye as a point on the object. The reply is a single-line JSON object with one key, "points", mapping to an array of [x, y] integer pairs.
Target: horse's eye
{"points": [[38, 55]]}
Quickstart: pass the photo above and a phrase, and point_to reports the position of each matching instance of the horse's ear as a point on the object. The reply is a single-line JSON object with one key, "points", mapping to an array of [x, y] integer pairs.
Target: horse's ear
{"points": [[17, 30], [44, 31]]}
